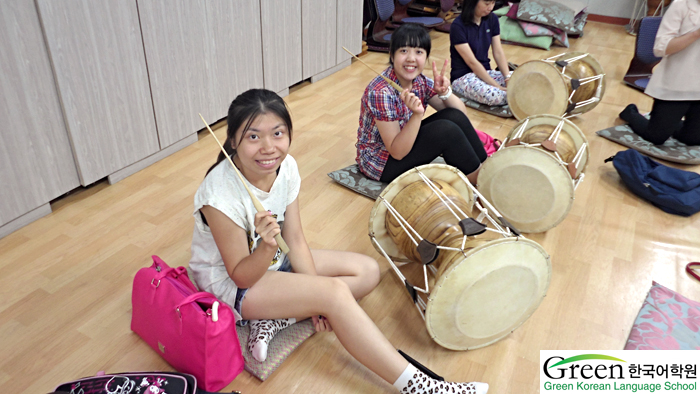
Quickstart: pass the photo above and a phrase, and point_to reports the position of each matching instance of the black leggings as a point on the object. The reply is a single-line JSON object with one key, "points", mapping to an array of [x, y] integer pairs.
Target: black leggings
{"points": [[448, 133], [666, 121]]}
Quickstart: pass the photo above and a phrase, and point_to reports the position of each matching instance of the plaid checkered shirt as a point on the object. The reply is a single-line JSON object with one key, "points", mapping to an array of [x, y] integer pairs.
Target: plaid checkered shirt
{"points": [[381, 102]]}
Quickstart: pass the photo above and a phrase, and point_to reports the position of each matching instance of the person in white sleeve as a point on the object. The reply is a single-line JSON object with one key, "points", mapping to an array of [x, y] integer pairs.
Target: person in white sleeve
{"points": [[675, 83]]}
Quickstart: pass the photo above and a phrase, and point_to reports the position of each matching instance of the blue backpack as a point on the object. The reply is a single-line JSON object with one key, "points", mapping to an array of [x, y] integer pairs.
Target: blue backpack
{"points": [[674, 191]]}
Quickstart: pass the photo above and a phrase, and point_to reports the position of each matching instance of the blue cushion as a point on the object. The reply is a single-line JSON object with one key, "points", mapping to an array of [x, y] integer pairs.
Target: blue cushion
{"points": [[385, 8], [424, 20], [645, 39], [642, 83]]}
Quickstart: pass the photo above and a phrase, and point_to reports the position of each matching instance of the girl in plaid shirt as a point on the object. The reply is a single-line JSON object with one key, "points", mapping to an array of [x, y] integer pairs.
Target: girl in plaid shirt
{"points": [[393, 137]]}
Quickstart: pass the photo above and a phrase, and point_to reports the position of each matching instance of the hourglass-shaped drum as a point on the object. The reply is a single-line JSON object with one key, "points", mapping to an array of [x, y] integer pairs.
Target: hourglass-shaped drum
{"points": [[485, 279]]}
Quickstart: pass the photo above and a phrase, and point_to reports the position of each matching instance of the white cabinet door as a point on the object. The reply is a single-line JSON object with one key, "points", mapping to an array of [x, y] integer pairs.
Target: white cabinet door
{"points": [[100, 69], [201, 55], [349, 22], [319, 43], [281, 43], [36, 162]]}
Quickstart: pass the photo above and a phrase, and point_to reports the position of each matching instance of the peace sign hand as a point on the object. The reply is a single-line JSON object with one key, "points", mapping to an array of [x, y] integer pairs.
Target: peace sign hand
{"points": [[442, 83]]}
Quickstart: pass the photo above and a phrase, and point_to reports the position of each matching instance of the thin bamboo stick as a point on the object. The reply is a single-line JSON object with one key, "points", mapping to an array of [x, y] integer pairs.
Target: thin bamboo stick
{"points": [[389, 81], [258, 206]]}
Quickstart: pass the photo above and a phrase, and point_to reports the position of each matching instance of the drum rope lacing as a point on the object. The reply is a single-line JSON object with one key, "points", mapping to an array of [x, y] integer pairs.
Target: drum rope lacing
{"points": [[446, 201], [418, 301], [552, 137], [578, 83]]}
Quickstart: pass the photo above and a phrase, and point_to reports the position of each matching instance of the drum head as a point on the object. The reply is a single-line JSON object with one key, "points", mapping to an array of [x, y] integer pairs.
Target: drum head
{"points": [[377, 218], [569, 128], [535, 88], [528, 187], [486, 295]]}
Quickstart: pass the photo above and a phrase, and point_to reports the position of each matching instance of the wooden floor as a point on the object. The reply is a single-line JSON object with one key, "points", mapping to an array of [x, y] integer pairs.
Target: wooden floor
{"points": [[66, 278]]}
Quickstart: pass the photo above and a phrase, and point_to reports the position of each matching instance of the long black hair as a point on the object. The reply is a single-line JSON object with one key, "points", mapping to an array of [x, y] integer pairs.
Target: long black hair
{"points": [[409, 35], [468, 7], [243, 111]]}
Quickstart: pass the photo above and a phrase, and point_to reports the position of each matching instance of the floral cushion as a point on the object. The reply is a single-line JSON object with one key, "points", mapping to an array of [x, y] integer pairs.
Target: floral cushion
{"points": [[502, 111], [671, 150], [548, 13], [666, 321], [512, 32], [352, 178], [579, 23], [575, 5], [534, 30]]}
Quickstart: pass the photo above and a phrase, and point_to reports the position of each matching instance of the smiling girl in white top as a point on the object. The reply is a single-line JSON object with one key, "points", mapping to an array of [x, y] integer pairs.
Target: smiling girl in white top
{"points": [[235, 256]]}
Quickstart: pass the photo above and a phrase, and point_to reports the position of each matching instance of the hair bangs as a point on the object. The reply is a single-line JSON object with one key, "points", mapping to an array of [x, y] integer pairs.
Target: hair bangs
{"points": [[409, 35], [413, 41]]}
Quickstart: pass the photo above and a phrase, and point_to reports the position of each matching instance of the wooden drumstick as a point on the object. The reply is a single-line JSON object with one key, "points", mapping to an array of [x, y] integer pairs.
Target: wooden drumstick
{"points": [[389, 81], [258, 206]]}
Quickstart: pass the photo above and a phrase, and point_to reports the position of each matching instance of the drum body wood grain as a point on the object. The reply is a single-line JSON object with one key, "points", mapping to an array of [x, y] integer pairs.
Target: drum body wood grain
{"points": [[419, 205]]}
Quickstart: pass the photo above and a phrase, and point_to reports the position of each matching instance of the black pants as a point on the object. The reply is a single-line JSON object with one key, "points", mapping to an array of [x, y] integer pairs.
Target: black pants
{"points": [[666, 121], [448, 133]]}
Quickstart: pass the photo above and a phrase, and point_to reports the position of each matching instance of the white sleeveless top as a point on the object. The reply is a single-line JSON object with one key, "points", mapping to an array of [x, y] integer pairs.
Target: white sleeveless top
{"points": [[222, 189]]}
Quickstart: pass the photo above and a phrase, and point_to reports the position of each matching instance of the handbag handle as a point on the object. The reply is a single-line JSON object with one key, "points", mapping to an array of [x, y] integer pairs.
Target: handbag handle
{"points": [[194, 297], [689, 269], [165, 269], [199, 295]]}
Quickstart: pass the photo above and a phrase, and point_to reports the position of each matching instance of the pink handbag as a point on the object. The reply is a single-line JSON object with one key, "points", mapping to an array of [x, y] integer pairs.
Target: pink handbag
{"points": [[193, 331], [491, 144]]}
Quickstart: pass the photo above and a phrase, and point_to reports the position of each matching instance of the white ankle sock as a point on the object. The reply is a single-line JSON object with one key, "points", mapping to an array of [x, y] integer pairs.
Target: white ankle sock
{"points": [[414, 381], [262, 332], [407, 374]]}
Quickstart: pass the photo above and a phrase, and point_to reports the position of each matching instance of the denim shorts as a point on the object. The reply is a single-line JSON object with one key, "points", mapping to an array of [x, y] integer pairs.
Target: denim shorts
{"points": [[240, 293]]}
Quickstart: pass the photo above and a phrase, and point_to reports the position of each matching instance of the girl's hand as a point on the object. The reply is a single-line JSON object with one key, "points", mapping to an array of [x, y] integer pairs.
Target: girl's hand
{"points": [[442, 83], [412, 101], [267, 227], [321, 324]]}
